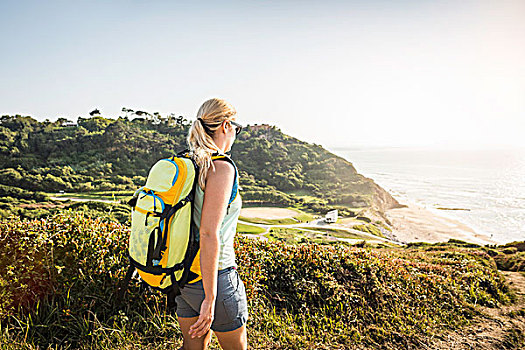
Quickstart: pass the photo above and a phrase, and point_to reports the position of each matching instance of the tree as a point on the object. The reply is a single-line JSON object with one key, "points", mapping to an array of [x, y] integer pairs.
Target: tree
{"points": [[94, 112]]}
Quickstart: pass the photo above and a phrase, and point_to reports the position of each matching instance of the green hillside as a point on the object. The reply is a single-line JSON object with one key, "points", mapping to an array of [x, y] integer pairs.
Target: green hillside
{"points": [[99, 154]]}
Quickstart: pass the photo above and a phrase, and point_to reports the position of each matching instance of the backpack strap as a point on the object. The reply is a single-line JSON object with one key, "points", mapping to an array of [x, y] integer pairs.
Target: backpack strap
{"points": [[124, 285], [217, 156], [184, 153]]}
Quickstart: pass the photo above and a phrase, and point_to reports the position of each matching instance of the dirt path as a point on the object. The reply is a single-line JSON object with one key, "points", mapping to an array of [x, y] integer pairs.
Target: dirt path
{"points": [[75, 199], [44, 205], [499, 328]]}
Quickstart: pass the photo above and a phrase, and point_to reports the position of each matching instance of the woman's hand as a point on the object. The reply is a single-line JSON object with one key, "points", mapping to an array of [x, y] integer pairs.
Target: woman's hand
{"points": [[203, 324]]}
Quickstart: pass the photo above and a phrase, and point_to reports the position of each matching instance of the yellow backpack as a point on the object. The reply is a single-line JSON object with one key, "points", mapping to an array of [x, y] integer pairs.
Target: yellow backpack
{"points": [[163, 243]]}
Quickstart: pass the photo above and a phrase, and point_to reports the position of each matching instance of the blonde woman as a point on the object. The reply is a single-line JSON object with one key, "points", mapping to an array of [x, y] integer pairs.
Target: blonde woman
{"points": [[217, 301]]}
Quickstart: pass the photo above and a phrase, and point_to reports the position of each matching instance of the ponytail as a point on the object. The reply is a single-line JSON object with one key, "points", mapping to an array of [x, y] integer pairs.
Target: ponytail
{"points": [[209, 118]]}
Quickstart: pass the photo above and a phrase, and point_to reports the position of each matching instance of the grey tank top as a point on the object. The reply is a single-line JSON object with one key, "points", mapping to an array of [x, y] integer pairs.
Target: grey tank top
{"points": [[229, 222]]}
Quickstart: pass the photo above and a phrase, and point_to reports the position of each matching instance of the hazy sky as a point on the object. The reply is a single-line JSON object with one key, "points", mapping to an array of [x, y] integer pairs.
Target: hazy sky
{"points": [[337, 73]]}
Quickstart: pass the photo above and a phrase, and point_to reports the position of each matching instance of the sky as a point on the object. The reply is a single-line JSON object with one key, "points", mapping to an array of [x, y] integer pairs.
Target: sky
{"points": [[438, 74]]}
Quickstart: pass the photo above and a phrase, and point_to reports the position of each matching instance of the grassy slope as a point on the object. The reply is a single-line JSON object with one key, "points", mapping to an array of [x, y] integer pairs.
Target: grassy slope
{"points": [[104, 155], [283, 221], [339, 233], [298, 218], [58, 278], [250, 229]]}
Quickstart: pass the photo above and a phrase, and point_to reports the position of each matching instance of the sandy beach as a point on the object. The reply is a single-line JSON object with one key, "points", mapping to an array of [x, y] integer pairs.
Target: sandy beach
{"points": [[417, 224]]}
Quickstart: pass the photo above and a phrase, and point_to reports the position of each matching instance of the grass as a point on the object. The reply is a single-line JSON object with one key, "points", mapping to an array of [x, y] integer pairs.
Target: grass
{"points": [[58, 279], [303, 217], [297, 218], [510, 257], [301, 193], [284, 221], [369, 228], [249, 229], [340, 233], [323, 236], [296, 236], [348, 221]]}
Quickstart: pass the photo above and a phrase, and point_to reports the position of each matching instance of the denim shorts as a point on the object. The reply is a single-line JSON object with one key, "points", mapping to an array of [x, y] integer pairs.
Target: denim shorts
{"points": [[231, 308]]}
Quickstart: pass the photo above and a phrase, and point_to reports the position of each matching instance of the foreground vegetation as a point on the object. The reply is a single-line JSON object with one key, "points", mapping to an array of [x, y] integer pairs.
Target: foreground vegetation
{"points": [[58, 279], [510, 257]]}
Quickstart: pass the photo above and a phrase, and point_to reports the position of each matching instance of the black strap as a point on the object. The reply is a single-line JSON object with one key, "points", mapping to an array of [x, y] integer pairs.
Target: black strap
{"points": [[125, 282], [162, 236], [151, 248], [133, 202], [172, 211], [157, 252], [171, 294]]}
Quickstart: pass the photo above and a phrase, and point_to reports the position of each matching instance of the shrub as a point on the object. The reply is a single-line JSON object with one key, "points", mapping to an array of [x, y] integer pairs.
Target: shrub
{"points": [[510, 250], [58, 279]]}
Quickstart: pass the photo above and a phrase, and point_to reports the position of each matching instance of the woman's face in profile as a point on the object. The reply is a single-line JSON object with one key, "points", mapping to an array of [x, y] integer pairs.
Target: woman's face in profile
{"points": [[231, 133]]}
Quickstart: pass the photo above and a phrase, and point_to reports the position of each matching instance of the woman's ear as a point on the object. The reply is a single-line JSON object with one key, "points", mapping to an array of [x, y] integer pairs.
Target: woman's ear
{"points": [[223, 127]]}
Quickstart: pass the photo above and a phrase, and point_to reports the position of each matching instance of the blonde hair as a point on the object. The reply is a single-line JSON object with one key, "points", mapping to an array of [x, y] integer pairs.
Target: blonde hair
{"points": [[212, 113]]}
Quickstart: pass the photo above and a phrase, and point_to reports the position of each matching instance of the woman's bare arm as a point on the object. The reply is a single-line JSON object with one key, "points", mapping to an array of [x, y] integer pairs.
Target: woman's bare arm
{"points": [[216, 196]]}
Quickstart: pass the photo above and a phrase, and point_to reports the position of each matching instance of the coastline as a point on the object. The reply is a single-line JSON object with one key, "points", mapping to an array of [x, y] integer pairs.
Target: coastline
{"points": [[412, 223], [415, 223]]}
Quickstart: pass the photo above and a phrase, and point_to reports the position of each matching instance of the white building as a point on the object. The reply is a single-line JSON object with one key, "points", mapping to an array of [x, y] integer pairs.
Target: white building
{"points": [[331, 216]]}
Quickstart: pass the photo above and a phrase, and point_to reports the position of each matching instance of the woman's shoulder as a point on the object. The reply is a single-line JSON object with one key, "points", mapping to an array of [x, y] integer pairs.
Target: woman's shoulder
{"points": [[220, 174], [223, 165], [221, 169], [224, 159]]}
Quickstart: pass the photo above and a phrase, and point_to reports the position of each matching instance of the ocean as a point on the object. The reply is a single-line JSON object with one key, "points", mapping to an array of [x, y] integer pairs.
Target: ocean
{"points": [[489, 183]]}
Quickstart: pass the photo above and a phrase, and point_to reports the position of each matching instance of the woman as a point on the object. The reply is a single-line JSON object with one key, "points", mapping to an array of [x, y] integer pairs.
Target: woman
{"points": [[218, 300]]}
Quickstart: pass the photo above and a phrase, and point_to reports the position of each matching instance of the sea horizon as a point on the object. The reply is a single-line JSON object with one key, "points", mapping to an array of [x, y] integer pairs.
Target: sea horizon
{"points": [[486, 184]]}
